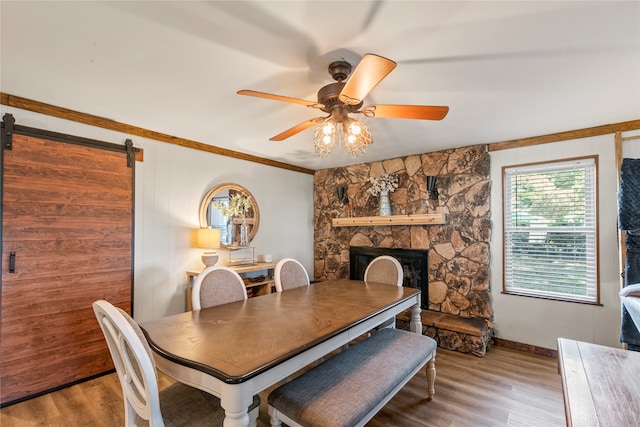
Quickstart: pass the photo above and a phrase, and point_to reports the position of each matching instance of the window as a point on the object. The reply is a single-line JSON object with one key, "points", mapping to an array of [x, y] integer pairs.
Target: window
{"points": [[217, 220], [550, 230]]}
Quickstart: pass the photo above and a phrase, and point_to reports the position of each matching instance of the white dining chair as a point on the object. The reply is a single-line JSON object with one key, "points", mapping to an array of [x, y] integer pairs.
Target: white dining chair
{"points": [[384, 269], [176, 405], [388, 270], [290, 274], [215, 286]]}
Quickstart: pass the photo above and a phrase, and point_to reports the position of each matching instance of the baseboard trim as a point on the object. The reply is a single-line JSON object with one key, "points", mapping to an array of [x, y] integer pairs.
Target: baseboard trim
{"points": [[528, 348]]}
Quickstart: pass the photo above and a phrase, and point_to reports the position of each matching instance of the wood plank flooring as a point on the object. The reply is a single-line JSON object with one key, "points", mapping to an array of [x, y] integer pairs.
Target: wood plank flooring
{"points": [[505, 388]]}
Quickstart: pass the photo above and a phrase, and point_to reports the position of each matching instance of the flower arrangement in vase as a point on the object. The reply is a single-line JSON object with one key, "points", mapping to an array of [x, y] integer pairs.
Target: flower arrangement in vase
{"points": [[238, 206], [380, 187]]}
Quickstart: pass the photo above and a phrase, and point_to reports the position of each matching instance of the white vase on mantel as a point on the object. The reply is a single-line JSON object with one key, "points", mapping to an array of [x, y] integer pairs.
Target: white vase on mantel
{"points": [[384, 209]]}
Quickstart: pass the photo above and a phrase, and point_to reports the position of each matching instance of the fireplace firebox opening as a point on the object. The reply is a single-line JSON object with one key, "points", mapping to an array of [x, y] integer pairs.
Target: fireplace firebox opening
{"points": [[414, 264]]}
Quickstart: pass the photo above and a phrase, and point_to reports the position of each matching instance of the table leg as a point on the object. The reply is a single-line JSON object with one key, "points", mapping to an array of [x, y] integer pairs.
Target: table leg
{"points": [[235, 399], [416, 320]]}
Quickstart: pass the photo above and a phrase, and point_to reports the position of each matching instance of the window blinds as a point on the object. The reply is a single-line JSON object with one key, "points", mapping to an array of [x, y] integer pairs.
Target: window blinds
{"points": [[550, 230]]}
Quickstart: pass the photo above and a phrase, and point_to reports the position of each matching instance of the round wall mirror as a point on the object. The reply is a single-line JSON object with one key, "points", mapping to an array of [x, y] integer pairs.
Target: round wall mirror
{"points": [[212, 213]]}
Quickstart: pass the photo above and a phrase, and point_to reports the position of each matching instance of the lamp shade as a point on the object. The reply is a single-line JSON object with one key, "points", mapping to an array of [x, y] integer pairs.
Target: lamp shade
{"points": [[209, 238]]}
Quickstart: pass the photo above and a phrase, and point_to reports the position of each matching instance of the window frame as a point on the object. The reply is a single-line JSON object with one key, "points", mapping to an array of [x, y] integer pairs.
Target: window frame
{"points": [[596, 246]]}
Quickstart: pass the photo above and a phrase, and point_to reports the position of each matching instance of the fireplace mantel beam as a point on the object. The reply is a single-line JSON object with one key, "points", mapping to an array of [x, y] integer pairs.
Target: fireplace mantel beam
{"points": [[416, 219]]}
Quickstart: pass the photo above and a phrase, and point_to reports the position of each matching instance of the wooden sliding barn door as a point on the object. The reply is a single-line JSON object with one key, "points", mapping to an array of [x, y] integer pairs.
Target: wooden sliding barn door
{"points": [[67, 237]]}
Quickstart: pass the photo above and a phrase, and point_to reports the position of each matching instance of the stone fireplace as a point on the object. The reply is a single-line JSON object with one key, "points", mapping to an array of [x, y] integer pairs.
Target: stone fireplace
{"points": [[414, 265], [458, 291]]}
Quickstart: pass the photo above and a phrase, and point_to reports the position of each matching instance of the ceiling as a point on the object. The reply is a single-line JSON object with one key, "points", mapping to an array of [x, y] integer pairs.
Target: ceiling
{"points": [[506, 69]]}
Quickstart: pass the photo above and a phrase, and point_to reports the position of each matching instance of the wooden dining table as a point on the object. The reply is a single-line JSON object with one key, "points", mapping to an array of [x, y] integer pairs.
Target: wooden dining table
{"points": [[235, 351]]}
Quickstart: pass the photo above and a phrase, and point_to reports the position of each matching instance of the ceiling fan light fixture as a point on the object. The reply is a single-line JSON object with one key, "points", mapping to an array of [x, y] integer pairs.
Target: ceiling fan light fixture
{"points": [[324, 138], [343, 98], [356, 137], [351, 133]]}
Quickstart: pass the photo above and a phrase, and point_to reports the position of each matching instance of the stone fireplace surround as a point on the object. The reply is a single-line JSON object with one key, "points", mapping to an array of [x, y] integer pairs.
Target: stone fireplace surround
{"points": [[458, 251]]}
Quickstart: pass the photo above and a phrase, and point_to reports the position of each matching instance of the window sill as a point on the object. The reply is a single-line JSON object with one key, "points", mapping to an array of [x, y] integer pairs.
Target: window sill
{"points": [[551, 298]]}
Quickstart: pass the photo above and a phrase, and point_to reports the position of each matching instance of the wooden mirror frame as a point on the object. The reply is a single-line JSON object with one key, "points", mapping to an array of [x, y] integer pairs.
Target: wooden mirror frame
{"points": [[207, 199]]}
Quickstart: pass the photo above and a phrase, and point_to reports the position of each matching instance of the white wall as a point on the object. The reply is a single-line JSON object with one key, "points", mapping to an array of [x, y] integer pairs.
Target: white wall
{"points": [[631, 148], [541, 322], [170, 184]]}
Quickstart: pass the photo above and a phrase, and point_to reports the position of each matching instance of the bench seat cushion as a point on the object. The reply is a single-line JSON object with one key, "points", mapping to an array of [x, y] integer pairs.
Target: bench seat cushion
{"points": [[342, 390]]}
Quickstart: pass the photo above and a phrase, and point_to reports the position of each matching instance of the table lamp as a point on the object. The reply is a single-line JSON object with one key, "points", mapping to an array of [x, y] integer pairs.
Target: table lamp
{"points": [[209, 239]]}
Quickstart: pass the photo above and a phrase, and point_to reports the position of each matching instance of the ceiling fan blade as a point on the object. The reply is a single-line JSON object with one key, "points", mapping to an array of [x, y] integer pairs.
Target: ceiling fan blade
{"points": [[369, 72], [280, 98], [419, 112], [298, 128]]}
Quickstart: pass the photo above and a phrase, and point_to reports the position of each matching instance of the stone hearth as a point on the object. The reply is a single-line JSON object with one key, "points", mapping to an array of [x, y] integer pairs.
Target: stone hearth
{"points": [[452, 332]]}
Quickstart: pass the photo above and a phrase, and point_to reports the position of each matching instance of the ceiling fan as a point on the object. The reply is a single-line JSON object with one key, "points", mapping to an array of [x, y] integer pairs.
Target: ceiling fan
{"points": [[342, 98]]}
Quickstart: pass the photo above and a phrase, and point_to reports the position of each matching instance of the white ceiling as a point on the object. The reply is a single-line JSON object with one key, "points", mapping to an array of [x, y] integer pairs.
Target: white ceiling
{"points": [[506, 69]]}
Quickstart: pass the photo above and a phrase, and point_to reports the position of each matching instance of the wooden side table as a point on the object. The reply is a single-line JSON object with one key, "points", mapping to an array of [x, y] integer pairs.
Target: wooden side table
{"points": [[254, 288], [601, 385]]}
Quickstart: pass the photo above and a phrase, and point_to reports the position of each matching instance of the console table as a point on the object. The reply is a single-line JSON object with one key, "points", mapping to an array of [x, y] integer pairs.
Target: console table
{"points": [[601, 385], [254, 288]]}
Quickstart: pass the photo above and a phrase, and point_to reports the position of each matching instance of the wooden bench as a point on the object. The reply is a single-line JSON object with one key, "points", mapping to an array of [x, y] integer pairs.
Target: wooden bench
{"points": [[351, 387]]}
